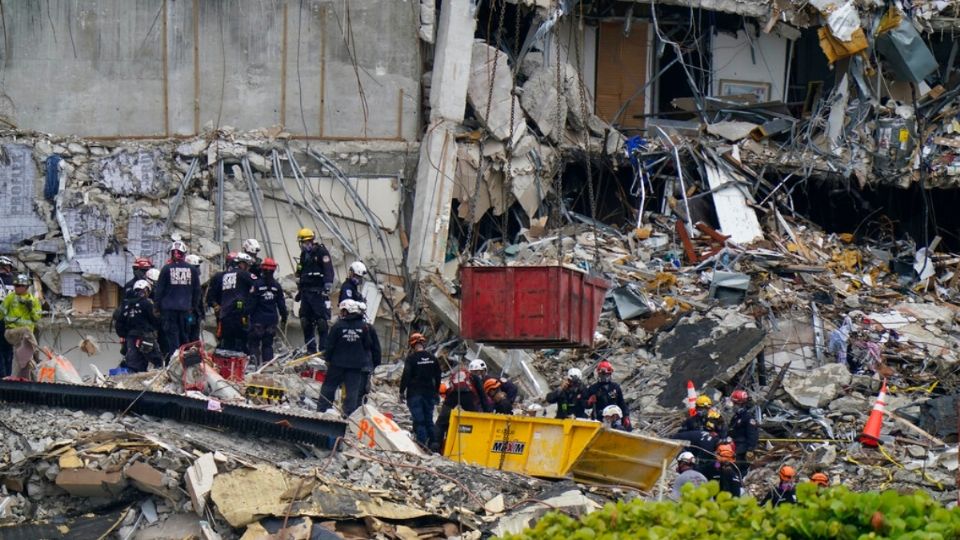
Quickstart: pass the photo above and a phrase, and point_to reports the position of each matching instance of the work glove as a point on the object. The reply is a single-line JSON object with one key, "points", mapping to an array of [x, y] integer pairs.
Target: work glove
{"points": [[327, 287], [750, 455], [216, 310], [592, 401], [296, 297], [626, 422]]}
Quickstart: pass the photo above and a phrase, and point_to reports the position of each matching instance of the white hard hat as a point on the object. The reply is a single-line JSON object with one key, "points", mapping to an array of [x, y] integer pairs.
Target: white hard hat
{"points": [[612, 410], [687, 457], [6, 261], [574, 373], [153, 274], [360, 307], [250, 245], [178, 245], [345, 305], [193, 260], [141, 284], [477, 365], [353, 307], [358, 268], [244, 257]]}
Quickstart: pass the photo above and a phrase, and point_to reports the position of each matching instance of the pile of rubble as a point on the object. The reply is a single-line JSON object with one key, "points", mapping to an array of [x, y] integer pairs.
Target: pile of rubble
{"points": [[145, 478]]}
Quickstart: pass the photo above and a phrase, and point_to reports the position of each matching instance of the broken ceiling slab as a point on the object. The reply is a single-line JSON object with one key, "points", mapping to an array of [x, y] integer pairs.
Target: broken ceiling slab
{"points": [[731, 130], [18, 181], [491, 67], [744, 8], [707, 352]]}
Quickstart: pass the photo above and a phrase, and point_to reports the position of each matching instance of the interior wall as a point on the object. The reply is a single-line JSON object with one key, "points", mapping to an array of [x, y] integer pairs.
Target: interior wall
{"points": [[749, 58]]}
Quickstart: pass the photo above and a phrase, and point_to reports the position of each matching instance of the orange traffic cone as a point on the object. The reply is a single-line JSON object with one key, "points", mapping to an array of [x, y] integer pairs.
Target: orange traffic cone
{"points": [[871, 432], [691, 399]]}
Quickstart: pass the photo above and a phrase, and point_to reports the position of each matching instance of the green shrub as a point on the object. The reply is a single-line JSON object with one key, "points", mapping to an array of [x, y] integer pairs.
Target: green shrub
{"points": [[834, 513]]}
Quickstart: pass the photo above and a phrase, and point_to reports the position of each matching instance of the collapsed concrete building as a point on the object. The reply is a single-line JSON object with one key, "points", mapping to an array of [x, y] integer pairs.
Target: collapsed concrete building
{"points": [[818, 138]]}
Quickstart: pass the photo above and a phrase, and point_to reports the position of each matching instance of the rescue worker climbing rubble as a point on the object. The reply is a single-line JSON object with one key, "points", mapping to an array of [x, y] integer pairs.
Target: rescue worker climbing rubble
{"points": [[728, 474], [178, 295], [314, 274], [820, 478], [267, 309], [138, 326], [21, 312], [347, 351], [605, 392], [703, 406], [478, 375], [419, 387], [571, 396], [350, 290]]}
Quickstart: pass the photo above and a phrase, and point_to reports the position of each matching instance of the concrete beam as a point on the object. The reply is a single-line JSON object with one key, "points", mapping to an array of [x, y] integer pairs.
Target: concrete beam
{"points": [[431, 204], [451, 63], [748, 8]]}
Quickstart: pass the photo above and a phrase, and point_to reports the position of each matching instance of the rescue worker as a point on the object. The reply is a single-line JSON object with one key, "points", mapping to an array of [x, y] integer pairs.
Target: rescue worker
{"points": [[728, 474], [786, 491], [478, 374], [461, 392], [696, 422], [197, 315], [251, 247], [6, 287], [267, 309], [419, 387], [606, 392], [140, 267], [138, 326], [502, 404], [178, 295], [374, 356], [613, 419], [314, 282], [346, 353], [230, 299], [350, 290], [571, 397], [703, 444], [744, 429], [821, 479], [687, 474], [21, 312]]}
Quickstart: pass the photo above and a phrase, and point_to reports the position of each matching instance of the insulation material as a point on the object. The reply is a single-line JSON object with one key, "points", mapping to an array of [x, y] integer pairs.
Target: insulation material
{"points": [[843, 19], [18, 189], [737, 220]]}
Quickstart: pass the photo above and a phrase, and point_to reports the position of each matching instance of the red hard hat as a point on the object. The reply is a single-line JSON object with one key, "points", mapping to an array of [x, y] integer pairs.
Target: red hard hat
{"points": [[415, 338], [604, 367], [232, 256], [268, 264], [740, 396], [142, 263]]}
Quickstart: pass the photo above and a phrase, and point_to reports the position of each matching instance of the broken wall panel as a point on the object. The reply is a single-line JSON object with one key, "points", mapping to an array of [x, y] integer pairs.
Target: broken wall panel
{"points": [[18, 186]]}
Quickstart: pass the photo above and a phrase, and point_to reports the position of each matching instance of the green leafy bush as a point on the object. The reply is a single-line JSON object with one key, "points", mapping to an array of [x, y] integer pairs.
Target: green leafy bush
{"points": [[834, 513]]}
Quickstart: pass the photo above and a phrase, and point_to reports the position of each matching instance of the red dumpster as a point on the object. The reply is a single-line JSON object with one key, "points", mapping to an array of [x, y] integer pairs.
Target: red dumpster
{"points": [[522, 307]]}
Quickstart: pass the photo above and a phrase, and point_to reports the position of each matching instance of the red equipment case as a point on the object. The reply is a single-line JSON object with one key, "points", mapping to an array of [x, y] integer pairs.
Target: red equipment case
{"points": [[522, 307]]}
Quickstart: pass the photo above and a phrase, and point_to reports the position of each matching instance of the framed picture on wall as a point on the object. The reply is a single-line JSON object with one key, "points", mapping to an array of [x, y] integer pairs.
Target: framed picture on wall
{"points": [[761, 90]]}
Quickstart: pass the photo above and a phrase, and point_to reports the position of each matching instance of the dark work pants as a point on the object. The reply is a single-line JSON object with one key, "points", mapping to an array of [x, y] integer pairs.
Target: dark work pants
{"points": [[6, 354], [175, 329], [421, 411], [260, 342], [313, 318], [233, 333], [137, 361], [352, 378]]}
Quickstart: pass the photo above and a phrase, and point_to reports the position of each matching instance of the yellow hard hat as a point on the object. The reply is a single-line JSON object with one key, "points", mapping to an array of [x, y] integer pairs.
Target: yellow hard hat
{"points": [[305, 234], [704, 401], [713, 413]]}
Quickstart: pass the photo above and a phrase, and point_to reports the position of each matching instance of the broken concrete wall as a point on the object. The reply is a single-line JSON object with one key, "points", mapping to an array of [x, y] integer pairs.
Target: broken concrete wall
{"points": [[168, 68]]}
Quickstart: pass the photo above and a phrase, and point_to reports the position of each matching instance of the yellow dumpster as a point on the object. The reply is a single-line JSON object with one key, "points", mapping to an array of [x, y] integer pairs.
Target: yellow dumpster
{"points": [[554, 448]]}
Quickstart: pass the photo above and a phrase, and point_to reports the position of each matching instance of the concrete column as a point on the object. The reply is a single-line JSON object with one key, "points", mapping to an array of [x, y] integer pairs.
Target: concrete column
{"points": [[438, 151], [431, 204], [451, 62]]}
